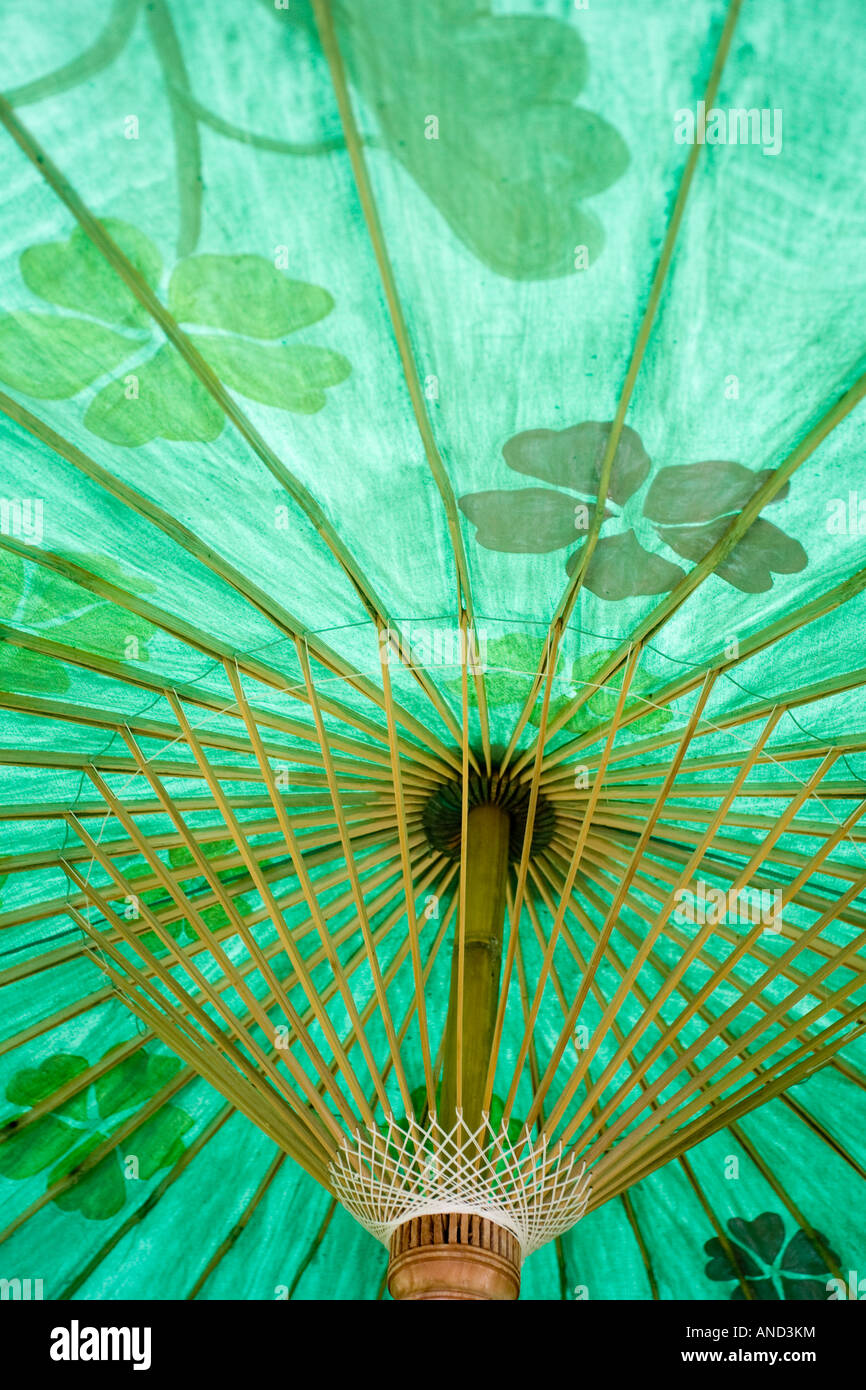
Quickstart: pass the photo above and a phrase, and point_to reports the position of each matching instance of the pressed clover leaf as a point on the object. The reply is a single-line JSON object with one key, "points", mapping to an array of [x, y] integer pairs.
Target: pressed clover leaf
{"points": [[763, 551], [252, 305], [40, 601], [573, 458], [691, 492], [771, 1269], [53, 358], [58, 1142], [512, 157], [510, 664], [74, 274], [262, 304], [687, 508], [602, 698], [526, 520]]}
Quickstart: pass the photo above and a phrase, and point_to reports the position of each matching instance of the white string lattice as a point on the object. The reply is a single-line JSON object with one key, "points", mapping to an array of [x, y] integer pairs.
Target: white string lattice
{"points": [[408, 1169]]}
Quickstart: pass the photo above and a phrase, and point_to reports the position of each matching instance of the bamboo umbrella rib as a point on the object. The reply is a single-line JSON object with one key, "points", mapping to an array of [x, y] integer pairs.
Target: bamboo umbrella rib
{"points": [[723, 970], [193, 637], [682, 942], [247, 1089], [598, 952], [169, 914], [609, 848], [748, 648], [779, 755], [400, 955], [641, 792], [817, 1127], [643, 1001], [214, 833], [728, 846], [566, 605], [314, 959], [411, 917], [540, 875], [337, 970], [191, 1152], [785, 1197], [662, 969], [130, 674], [781, 1076], [81, 1081], [227, 772], [710, 833], [56, 1020], [674, 831], [569, 599], [95, 1155], [774, 1043], [273, 872], [363, 920], [263, 888], [380, 903], [208, 1063], [552, 648], [237, 1230], [571, 875], [188, 908], [90, 715], [234, 1051], [464, 867], [366, 198], [724, 722]]}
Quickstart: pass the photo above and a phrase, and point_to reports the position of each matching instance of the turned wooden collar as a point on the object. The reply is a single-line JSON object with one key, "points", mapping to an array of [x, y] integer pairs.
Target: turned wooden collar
{"points": [[454, 1257]]}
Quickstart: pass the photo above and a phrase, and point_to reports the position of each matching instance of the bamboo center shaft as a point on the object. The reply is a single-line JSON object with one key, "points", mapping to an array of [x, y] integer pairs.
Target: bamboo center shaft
{"points": [[467, 1050]]}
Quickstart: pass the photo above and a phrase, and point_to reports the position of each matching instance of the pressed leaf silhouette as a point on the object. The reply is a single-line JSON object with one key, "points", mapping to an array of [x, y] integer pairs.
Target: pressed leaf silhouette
{"points": [[771, 1269], [58, 1142], [254, 306], [514, 157], [688, 507], [42, 602]]}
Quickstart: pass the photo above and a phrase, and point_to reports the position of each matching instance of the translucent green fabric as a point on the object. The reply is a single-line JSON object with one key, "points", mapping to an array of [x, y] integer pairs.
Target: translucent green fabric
{"points": [[159, 518]]}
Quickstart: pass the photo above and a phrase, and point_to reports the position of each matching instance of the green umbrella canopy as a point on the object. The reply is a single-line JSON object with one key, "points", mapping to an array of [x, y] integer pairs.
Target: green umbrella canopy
{"points": [[341, 341]]}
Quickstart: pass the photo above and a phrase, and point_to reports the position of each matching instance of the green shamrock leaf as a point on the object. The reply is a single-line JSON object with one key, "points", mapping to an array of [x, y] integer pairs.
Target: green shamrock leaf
{"points": [[42, 601], [292, 378], [511, 158], [74, 274], [526, 520], [263, 303], [59, 1142], [510, 663], [763, 551], [53, 358], [771, 1269], [252, 305], [692, 492], [171, 404], [687, 507], [602, 702], [620, 567], [573, 458]]}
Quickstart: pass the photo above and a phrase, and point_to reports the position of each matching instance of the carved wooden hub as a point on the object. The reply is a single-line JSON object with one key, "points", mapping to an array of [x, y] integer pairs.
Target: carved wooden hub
{"points": [[454, 1257]]}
